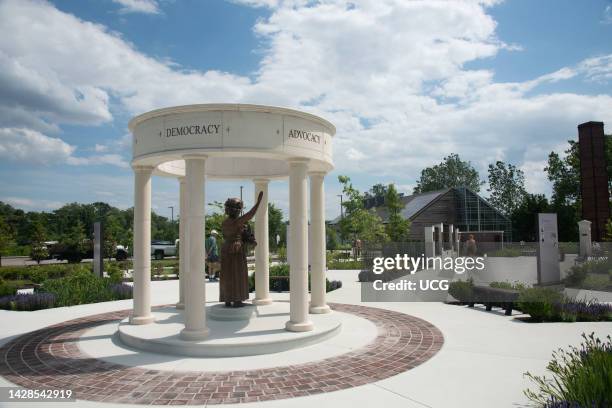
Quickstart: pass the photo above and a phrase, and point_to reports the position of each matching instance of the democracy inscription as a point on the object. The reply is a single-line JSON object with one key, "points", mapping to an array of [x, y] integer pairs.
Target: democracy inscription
{"points": [[204, 129]]}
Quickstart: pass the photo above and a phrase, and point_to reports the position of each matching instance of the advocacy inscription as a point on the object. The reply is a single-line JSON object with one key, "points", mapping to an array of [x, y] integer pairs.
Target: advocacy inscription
{"points": [[305, 135]]}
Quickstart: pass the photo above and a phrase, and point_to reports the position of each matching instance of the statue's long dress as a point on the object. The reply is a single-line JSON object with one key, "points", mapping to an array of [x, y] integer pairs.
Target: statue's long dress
{"points": [[234, 278], [234, 283]]}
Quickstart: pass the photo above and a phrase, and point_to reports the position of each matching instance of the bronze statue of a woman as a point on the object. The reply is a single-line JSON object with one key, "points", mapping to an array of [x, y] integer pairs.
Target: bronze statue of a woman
{"points": [[234, 279]]}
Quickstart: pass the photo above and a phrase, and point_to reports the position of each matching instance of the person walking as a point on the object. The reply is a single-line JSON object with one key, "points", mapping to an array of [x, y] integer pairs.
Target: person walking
{"points": [[470, 245]]}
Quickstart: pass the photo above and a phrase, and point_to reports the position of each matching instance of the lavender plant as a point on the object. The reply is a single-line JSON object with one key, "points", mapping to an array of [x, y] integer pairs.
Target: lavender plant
{"points": [[582, 376]]}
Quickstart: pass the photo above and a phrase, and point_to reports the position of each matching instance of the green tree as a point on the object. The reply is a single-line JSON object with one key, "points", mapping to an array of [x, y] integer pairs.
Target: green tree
{"points": [[6, 237], [451, 172], [276, 226], [75, 242], [524, 217], [397, 228], [357, 221], [113, 230], [214, 220], [331, 238], [507, 187], [608, 235], [38, 248], [564, 173]]}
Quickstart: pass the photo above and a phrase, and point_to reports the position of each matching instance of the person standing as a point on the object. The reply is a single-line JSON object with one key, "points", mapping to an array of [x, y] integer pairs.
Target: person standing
{"points": [[470, 245], [212, 255]]}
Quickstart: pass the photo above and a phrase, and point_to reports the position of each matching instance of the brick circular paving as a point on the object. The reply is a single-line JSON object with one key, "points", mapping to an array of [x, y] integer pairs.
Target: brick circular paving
{"points": [[51, 358]]}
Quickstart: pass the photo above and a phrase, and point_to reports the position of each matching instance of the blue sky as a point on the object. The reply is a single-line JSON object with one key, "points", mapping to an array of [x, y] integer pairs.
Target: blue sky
{"points": [[405, 83]]}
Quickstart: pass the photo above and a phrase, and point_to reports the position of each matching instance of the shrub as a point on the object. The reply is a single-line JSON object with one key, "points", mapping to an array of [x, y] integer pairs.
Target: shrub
{"points": [[122, 291], [115, 274], [516, 285], [597, 282], [282, 254], [584, 311], [506, 252], [539, 303], [581, 376], [339, 264], [80, 288], [40, 273], [7, 289], [34, 301], [27, 302], [279, 280], [462, 290], [6, 302], [579, 273]]}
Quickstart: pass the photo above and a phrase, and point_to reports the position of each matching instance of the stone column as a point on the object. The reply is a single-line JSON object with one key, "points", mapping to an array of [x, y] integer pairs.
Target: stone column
{"points": [[141, 313], [262, 251], [183, 244], [317, 244], [195, 290], [298, 231], [430, 246], [586, 246]]}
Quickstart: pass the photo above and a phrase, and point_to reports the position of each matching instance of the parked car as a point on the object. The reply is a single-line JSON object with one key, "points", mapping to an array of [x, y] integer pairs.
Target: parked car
{"points": [[161, 249]]}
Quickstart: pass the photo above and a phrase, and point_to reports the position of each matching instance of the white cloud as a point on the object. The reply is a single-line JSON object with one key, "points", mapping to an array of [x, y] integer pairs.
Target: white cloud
{"points": [[138, 6], [28, 203], [112, 159], [31, 146], [100, 148], [607, 15]]}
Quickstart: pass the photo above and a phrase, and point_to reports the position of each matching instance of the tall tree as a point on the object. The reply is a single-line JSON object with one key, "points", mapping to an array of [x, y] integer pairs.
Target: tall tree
{"points": [[6, 237], [451, 172], [276, 226], [564, 173], [75, 242], [357, 221], [524, 217], [38, 250], [507, 187], [397, 227]]}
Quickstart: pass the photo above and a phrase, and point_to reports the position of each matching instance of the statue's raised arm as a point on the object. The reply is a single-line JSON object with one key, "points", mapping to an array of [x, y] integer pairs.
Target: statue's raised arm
{"points": [[251, 213]]}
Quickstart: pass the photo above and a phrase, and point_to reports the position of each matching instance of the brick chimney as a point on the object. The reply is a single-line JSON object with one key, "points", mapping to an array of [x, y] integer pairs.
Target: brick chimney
{"points": [[594, 177]]}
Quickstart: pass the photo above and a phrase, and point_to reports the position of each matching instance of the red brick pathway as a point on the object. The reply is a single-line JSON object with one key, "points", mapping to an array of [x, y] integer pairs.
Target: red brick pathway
{"points": [[51, 358]]}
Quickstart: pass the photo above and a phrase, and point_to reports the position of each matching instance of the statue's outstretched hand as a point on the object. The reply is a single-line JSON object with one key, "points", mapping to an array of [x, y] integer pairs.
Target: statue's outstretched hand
{"points": [[259, 197]]}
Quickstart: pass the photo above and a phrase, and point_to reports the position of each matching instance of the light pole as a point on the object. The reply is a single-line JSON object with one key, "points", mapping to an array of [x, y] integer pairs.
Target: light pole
{"points": [[341, 218], [171, 214], [172, 219], [241, 192]]}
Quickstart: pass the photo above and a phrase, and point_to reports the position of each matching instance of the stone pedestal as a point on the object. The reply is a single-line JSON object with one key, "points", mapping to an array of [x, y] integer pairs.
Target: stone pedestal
{"points": [[586, 246]]}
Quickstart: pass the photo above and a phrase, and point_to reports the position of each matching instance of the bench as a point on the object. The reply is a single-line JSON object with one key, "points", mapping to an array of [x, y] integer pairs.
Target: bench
{"points": [[504, 298]]}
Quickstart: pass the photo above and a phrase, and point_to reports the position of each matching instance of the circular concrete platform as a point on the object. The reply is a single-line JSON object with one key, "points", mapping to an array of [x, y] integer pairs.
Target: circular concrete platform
{"points": [[51, 358], [246, 331]]}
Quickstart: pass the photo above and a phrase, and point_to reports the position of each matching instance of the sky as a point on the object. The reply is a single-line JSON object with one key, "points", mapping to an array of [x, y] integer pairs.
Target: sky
{"points": [[404, 82]]}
